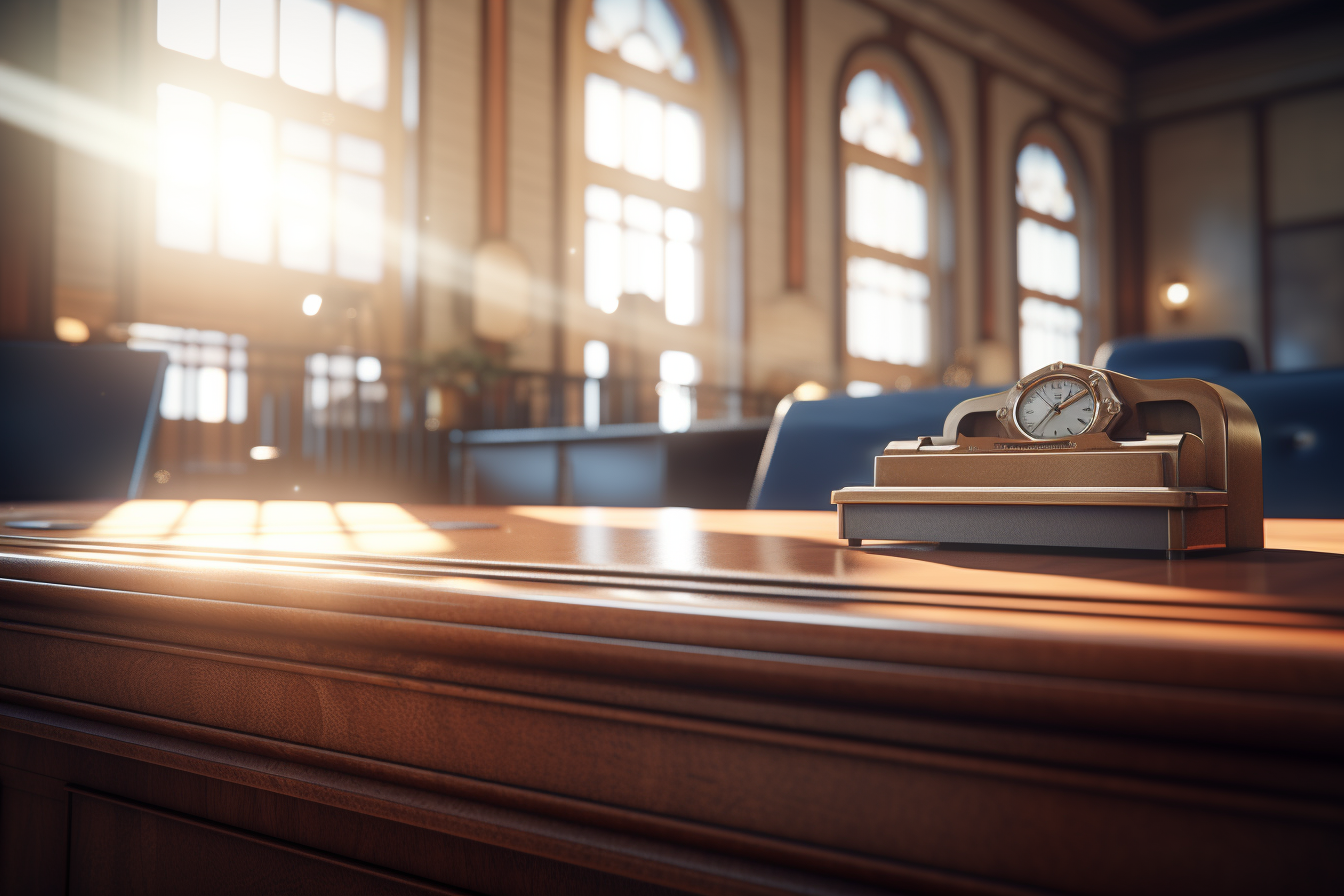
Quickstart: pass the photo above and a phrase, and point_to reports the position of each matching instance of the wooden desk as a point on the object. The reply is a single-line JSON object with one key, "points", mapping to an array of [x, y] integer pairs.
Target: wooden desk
{"points": [[301, 697]]}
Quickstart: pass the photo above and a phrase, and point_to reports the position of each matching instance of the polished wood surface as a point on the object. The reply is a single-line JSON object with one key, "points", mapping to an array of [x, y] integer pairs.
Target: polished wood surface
{"points": [[516, 700]]}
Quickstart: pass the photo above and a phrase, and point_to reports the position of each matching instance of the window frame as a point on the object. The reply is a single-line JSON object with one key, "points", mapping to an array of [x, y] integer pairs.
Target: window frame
{"points": [[637, 335], [210, 291], [889, 63], [1048, 134]]}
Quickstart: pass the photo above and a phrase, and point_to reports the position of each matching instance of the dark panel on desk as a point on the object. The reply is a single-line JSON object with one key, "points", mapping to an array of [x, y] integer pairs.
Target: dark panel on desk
{"points": [[32, 834], [513, 474], [713, 469], [117, 847], [617, 473]]}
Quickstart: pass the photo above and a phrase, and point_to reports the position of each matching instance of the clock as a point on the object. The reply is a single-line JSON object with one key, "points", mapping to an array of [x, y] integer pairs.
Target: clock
{"points": [[1073, 457], [1060, 401]]}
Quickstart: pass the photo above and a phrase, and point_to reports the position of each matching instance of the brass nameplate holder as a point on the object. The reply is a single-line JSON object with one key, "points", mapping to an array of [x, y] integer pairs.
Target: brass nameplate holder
{"points": [[1074, 457]]}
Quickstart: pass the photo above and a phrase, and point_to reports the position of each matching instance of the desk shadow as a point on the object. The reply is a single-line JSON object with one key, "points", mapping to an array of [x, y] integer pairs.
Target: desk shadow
{"points": [[1295, 573]]}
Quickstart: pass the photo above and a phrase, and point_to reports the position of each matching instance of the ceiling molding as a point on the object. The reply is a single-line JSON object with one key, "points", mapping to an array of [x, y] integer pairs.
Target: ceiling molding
{"points": [[1139, 25]]}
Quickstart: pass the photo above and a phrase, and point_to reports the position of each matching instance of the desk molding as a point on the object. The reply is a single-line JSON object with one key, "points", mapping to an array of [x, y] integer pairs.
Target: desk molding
{"points": [[753, 739]]}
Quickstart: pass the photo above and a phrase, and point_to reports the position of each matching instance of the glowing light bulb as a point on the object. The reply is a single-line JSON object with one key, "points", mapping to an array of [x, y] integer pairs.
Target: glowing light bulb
{"points": [[1175, 296], [312, 304], [71, 329]]}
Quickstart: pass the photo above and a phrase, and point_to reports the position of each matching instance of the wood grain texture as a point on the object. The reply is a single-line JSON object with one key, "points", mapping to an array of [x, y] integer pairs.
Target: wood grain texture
{"points": [[707, 701]]}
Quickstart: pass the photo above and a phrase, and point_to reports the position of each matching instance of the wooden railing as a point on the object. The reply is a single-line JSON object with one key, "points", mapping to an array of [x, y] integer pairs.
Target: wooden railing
{"points": [[388, 439]]}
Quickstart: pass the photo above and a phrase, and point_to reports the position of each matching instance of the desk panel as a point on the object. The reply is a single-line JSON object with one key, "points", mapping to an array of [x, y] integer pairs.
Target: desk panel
{"points": [[707, 701]]}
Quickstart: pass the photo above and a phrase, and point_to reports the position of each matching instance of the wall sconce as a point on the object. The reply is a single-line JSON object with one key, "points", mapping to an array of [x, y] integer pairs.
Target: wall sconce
{"points": [[1175, 296]]}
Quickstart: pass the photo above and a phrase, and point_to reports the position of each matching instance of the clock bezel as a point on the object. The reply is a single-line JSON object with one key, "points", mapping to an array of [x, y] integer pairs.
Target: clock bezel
{"points": [[1105, 401]]}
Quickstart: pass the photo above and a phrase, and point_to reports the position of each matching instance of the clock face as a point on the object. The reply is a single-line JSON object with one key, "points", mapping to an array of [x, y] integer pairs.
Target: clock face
{"points": [[1056, 409]]}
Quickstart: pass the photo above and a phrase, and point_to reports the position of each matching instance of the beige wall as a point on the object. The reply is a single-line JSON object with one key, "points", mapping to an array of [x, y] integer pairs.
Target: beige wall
{"points": [[1200, 225], [1306, 157], [88, 215], [1202, 219], [450, 184]]}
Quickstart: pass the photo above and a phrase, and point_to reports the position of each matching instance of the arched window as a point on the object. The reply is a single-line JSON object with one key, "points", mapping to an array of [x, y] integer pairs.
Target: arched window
{"points": [[1049, 259], [887, 253], [646, 197]]}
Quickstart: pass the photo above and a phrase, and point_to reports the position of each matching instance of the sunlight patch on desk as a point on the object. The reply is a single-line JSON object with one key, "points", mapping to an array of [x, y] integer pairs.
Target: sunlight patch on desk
{"points": [[138, 519], [389, 529], [807, 525], [310, 527]]}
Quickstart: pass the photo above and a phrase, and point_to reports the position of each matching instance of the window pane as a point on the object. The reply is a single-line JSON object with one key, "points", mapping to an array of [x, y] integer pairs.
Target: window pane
{"points": [[646, 33], [1049, 333], [305, 44], [247, 36], [359, 228], [886, 312], [212, 388], [246, 182], [359, 154], [663, 28], [596, 359], [639, 49], [643, 247], [862, 389], [685, 148], [1047, 259], [184, 189], [643, 214], [602, 265], [306, 141], [682, 225], [602, 203], [237, 396], [643, 264], [602, 120], [170, 402], [592, 403], [683, 281], [643, 134], [875, 118], [886, 211], [679, 368], [676, 407], [305, 216], [188, 26], [361, 58], [612, 21], [1042, 185]]}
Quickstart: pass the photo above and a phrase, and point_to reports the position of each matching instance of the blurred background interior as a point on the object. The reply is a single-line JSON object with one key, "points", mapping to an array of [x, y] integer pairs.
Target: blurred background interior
{"points": [[654, 252]]}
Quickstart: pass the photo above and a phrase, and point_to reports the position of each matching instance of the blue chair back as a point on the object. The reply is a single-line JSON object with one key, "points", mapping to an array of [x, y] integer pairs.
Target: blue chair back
{"points": [[1160, 359], [825, 445], [1301, 439], [77, 421]]}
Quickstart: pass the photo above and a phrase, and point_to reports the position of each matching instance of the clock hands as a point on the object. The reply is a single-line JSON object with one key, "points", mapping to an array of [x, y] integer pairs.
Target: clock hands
{"points": [[1041, 392], [1081, 393], [1057, 409]]}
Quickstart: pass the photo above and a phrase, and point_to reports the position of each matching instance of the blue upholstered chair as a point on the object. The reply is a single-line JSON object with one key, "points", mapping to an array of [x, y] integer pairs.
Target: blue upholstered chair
{"points": [[1301, 438], [1160, 359], [76, 421], [824, 445]]}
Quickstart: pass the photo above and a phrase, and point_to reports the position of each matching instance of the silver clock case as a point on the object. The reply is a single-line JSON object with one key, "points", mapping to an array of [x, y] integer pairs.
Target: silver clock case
{"points": [[1104, 398]]}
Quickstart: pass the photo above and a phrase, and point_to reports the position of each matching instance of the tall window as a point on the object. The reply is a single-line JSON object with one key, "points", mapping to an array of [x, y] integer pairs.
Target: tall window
{"points": [[257, 185], [886, 247], [1048, 260], [279, 146], [644, 183]]}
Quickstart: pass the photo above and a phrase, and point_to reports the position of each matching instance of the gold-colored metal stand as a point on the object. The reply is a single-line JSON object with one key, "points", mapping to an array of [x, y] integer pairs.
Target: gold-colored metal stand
{"points": [[1175, 467]]}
